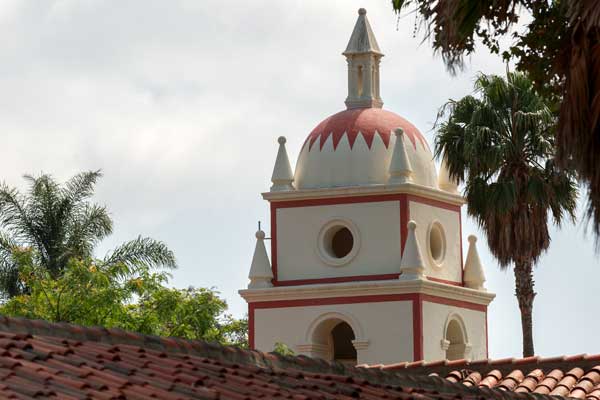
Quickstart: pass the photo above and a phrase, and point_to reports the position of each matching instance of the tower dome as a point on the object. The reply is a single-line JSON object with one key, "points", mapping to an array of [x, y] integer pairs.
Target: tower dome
{"points": [[354, 147]]}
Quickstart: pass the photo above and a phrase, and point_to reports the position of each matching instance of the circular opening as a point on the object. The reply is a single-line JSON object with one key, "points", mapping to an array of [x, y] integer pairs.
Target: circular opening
{"points": [[338, 242], [342, 243], [437, 243]]}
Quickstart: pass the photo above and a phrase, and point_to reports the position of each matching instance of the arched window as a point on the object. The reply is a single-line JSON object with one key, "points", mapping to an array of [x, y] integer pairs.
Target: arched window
{"points": [[333, 338], [455, 340], [359, 81], [341, 340]]}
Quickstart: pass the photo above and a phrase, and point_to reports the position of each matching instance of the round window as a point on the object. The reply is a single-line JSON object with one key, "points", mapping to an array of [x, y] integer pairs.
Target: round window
{"points": [[342, 242], [437, 243], [338, 242]]}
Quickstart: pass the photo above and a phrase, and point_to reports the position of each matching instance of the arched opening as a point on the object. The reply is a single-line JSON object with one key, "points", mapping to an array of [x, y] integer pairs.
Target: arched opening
{"points": [[343, 350], [332, 339], [359, 81], [455, 340]]}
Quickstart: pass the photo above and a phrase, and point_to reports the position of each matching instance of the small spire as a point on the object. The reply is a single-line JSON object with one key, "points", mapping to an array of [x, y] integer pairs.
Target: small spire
{"points": [[260, 270], [400, 169], [473, 276], [362, 39], [363, 57], [445, 182], [411, 266], [282, 177]]}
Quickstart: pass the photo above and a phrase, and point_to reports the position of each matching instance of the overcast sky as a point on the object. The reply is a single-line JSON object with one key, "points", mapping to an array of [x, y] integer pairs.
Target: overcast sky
{"points": [[180, 104]]}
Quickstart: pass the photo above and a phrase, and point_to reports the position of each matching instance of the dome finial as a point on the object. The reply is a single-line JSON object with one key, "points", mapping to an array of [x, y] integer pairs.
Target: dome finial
{"points": [[445, 181], [260, 270], [411, 266], [473, 272], [400, 168], [282, 177], [363, 56]]}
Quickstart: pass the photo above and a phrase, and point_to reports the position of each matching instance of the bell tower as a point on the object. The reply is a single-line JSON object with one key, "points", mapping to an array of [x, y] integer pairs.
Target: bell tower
{"points": [[366, 262]]}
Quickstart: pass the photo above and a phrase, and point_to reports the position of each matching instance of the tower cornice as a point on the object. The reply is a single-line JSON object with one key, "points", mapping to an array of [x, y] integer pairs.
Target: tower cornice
{"points": [[373, 288], [372, 190]]}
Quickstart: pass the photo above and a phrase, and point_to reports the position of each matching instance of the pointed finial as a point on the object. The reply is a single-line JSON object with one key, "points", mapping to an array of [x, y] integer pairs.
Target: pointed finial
{"points": [[362, 40], [260, 274], [411, 266], [282, 177], [445, 182], [473, 275], [400, 169]]}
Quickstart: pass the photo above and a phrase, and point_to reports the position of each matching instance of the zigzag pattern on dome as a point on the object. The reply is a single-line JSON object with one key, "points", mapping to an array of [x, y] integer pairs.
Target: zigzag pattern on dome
{"points": [[366, 121]]}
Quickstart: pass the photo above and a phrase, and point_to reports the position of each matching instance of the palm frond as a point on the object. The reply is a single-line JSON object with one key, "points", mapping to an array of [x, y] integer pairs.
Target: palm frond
{"points": [[13, 214], [81, 186], [10, 284], [146, 251]]}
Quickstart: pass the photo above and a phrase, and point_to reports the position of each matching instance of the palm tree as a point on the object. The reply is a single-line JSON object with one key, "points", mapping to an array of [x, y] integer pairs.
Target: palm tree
{"points": [[557, 46], [500, 144], [58, 222]]}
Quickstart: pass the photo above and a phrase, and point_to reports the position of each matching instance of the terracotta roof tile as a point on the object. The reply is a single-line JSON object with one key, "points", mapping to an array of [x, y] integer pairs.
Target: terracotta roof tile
{"points": [[575, 376], [530, 382], [42, 360]]}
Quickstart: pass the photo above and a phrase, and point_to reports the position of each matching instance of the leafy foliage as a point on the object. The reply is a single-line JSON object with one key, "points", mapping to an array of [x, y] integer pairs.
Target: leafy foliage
{"points": [[93, 292], [559, 49], [190, 313], [60, 223], [283, 349], [500, 144]]}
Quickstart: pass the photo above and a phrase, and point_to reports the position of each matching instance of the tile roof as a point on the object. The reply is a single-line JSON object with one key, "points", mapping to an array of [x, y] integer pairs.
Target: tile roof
{"points": [[44, 360], [569, 376]]}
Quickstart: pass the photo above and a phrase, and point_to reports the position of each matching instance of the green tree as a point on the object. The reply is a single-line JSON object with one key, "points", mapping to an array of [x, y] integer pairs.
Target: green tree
{"points": [[501, 145], [192, 313], [283, 349], [92, 292], [557, 48], [87, 292], [59, 222]]}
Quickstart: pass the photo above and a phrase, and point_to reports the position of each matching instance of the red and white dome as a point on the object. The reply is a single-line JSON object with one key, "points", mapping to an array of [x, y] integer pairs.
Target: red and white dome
{"points": [[354, 148]]}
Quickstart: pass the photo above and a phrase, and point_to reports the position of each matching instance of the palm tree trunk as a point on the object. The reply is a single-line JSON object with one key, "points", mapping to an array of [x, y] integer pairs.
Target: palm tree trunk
{"points": [[525, 295]]}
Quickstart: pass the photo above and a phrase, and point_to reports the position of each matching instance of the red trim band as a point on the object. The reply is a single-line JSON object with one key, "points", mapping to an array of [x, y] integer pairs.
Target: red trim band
{"points": [[274, 242], [339, 279], [417, 308], [338, 200], [453, 283], [356, 278], [250, 325], [376, 298], [451, 302]]}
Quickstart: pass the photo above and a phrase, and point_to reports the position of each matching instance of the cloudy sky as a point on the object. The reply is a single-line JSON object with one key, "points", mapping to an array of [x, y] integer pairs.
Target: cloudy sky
{"points": [[180, 104]]}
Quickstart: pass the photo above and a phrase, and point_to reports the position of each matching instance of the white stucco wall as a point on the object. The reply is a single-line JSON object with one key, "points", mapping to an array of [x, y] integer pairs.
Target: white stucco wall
{"points": [[387, 326], [435, 317], [378, 226], [424, 215]]}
